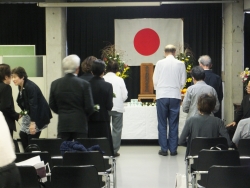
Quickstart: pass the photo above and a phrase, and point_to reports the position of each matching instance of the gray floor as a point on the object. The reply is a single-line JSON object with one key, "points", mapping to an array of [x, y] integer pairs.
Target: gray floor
{"points": [[142, 167]]}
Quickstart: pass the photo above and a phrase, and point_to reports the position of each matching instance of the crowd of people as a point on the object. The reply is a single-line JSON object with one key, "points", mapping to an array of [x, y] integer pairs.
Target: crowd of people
{"points": [[202, 103], [87, 105]]}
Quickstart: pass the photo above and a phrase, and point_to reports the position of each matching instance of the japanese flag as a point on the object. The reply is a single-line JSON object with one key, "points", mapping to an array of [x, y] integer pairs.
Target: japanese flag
{"points": [[144, 40]]}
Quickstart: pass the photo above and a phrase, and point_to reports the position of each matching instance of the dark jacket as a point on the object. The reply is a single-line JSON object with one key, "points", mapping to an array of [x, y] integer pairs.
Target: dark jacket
{"points": [[87, 76], [214, 81], [103, 95], [7, 105], [244, 111], [33, 101], [71, 98]]}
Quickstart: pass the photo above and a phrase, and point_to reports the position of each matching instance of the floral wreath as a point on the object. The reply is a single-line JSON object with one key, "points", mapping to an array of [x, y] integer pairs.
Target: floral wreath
{"points": [[188, 59], [110, 52], [245, 76]]}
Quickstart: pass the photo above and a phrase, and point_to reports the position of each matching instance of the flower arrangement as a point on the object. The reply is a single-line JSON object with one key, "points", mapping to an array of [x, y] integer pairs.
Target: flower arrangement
{"points": [[245, 76], [110, 52], [187, 58], [23, 113]]}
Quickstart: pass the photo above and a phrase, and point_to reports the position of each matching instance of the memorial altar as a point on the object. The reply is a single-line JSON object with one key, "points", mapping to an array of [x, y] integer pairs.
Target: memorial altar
{"points": [[140, 122]]}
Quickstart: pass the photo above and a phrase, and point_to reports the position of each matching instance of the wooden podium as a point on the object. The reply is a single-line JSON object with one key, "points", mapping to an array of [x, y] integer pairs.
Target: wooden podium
{"points": [[146, 82]]}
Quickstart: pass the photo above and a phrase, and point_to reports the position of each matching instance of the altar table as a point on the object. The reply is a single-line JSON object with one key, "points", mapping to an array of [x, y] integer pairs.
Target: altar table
{"points": [[140, 122]]}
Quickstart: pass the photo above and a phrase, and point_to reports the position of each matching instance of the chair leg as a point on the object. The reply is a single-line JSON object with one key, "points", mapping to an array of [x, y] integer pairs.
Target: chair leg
{"points": [[114, 173], [187, 175]]}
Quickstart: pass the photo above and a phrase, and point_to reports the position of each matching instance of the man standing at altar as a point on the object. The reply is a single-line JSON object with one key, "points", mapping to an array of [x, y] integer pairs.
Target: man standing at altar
{"points": [[212, 79], [169, 78]]}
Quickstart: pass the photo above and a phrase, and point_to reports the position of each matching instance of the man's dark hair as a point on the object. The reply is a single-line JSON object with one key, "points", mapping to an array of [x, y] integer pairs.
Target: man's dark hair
{"points": [[87, 64], [4, 71], [206, 103], [198, 73], [98, 67], [20, 72], [112, 66]]}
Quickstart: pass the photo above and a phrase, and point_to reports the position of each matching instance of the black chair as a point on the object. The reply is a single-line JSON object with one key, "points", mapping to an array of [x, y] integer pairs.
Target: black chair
{"points": [[105, 146], [88, 158], [29, 177], [52, 146], [45, 156], [208, 158], [228, 177], [197, 144], [75, 177], [244, 150]]}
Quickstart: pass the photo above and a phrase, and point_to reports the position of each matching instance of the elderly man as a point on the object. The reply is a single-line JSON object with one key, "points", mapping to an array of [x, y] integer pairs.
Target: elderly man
{"points": [[189, 104], [71, 98], [212, 79], [169, 78]]}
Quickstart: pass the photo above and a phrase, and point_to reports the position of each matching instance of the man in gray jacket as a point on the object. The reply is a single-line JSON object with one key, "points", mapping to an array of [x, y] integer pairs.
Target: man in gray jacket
{"points": [[189, 104]]}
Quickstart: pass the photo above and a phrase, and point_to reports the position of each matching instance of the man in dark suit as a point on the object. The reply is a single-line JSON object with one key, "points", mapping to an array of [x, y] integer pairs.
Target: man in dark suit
{"points": [[212, 79], [99, 122], [71, 98], [6, 98]]}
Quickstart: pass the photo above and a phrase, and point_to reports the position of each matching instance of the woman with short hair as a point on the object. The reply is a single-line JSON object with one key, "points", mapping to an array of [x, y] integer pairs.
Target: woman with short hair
{"points": [[86, 68], [35, 109], [6, 98], [203, 124]]}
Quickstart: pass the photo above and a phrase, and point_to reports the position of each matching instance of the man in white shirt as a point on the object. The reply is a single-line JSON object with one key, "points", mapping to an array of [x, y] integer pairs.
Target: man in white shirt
{"points": [[120, 95], [169, 78]]}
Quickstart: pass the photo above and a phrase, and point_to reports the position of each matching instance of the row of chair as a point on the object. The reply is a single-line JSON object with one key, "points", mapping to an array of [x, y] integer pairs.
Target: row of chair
{"points": [[201, 158], [52, 146], [62, 177]]}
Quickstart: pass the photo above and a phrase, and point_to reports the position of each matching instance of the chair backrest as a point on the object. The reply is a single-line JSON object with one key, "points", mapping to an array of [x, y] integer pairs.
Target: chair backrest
{"points": [[244, 147], [228, 177], [104, 144], [45, 156], [29, 177], [51, 145], [199, 143], [86, 158], [74, 176], [208, 158]]}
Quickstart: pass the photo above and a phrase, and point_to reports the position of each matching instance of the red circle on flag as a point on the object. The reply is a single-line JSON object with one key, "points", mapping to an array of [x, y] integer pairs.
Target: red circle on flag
{"points": [[146, 41]]}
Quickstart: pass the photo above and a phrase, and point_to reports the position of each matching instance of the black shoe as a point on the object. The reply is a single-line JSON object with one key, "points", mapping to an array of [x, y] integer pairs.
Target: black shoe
{"points": [[117, 154], [163, 153], [174, 153]]}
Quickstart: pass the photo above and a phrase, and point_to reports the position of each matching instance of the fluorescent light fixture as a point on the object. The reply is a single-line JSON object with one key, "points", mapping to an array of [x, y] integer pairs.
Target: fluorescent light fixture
{"points": [[197, 2], [100, 4], [125, 4]]}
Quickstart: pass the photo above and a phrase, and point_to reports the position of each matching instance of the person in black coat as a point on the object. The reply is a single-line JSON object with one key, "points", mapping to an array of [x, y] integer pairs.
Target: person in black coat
{"points": [[212, 79], [71, 98], [36, 113], [242, 113], [99, 122], [86, 68], [6, 98]]}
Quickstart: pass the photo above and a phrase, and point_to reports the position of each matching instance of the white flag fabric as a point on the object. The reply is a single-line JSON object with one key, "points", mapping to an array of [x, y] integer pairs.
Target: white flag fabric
{"points": [[144, 40]]}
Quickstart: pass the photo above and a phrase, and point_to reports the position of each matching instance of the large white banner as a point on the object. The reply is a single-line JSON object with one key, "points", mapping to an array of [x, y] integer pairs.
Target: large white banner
{"points": [[144, 40]]}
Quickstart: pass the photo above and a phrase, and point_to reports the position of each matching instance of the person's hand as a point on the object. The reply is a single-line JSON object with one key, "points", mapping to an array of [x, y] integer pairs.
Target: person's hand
{"points": [[32, 128], [231, 124]]}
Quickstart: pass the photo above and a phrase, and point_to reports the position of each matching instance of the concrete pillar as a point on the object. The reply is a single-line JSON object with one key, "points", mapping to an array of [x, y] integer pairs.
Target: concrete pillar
{"points": [[233, 56], [246, 5], [55, 51]]}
